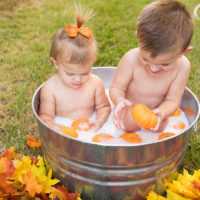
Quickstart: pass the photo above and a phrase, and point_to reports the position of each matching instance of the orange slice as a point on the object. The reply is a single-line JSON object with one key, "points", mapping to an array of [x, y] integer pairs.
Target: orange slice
{"points": [[165, 135], [81, 125], [69, 131], [189, 111], [102, 137], [131, 137], [177, 113], [179, 125]]}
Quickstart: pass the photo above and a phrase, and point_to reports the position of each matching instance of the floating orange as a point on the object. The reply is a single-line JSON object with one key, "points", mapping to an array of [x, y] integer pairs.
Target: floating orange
{"points": [[131, 137], [69, 131], [189, 111], [81, 125], [177, 113], [165, 135], [102, 137], [179, 125], [144, 116]]}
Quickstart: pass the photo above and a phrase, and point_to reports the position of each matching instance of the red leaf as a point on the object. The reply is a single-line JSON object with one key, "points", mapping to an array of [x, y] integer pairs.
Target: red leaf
{"points": [[196, 185]]}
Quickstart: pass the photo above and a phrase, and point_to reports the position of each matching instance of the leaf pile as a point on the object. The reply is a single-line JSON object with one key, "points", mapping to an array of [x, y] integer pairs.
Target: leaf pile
{"points": [[26, 178], [186, 187]]}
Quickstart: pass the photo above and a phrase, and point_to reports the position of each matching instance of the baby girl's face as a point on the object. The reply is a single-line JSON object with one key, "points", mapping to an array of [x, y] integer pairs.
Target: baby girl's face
{"points": [[75, 75], [161, 63]]}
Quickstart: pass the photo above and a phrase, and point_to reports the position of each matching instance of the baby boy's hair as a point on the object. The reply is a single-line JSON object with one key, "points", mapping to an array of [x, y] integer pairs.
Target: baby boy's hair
{"points": [[165, 26], [77, 49]]}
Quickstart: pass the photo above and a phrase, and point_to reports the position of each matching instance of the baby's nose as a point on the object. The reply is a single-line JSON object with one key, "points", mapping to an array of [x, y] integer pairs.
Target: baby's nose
{"points": [[77, 78], [154, 68]]}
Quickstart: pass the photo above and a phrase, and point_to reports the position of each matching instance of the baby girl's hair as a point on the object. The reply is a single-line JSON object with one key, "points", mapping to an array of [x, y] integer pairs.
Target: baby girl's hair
{"points": [[73, 50], [165, 26]]}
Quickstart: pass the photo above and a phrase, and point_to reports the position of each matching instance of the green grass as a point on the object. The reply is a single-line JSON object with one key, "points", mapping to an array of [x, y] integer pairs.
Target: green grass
{"points": [[27, 28]]}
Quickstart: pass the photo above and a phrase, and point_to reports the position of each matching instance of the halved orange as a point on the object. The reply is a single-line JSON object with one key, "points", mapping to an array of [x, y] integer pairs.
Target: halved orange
{"points": [[177, 113], [81, 125], [131, 137], [102, 137], [69, 131], [165, 135], [179, 125]]}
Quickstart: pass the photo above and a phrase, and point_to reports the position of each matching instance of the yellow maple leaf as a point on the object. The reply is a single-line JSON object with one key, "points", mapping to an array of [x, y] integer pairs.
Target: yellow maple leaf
{"points": [[153, 196], [31, 183], [183, 186], [178, 188], [22, 168], [49, 182], [171, 195]]}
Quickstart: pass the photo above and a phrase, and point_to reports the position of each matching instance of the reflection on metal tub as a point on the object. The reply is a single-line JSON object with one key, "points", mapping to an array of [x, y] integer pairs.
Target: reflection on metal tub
{"points": [[101, 172]]}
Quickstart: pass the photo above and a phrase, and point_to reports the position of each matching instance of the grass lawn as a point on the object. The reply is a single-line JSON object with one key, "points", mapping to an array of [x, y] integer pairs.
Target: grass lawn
{"points": [[27, 28]]}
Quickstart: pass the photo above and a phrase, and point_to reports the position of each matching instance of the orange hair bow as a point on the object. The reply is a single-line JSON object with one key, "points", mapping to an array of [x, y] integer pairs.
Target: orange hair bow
{"points": [[73, 31]]}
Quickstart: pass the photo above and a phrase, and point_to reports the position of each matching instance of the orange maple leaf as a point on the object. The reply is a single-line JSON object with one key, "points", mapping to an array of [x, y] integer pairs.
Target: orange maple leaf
{"points": [[31, 183], [32, 142], [10, 154], [6, 171]]}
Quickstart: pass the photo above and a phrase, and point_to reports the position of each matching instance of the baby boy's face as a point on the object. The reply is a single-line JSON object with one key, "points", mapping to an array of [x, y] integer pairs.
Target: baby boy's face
{"points": [[161, 63]]}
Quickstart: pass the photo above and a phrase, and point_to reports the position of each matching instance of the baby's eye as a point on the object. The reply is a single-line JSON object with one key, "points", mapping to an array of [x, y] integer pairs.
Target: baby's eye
{"points": [[145, 59], [165, 65], [85, 74], [69, 74]]}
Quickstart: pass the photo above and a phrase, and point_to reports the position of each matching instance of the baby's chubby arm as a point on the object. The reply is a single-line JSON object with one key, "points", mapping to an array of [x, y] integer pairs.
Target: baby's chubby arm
{"points": [[122, 79], [175, 92], [47, 106], [102, 104]]}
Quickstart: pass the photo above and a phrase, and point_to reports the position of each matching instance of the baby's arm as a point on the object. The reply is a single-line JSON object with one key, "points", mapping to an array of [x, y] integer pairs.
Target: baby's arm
{"points": [[47, 107], [175, 92], [122, 78], [102, 104]]}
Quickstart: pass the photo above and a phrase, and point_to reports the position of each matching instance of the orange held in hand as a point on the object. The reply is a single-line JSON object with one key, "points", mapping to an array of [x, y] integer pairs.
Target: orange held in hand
{"points": [[165, 135], [69, 131], [131, 137], [81, 125], [102, 137], [144, 116]]}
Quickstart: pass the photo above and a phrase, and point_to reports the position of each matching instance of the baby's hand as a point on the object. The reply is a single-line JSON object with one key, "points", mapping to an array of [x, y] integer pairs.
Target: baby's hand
{"points": [[97, 124], [120, 112], [157, 127], [55, 126]]}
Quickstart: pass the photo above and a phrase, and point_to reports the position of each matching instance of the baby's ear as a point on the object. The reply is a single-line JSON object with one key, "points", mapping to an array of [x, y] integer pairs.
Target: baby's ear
{"points": [[55, 62], [189, 48]]}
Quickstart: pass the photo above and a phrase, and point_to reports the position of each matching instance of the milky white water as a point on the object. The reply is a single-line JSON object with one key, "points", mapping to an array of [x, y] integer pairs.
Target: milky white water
{"points": [[109, 128]]}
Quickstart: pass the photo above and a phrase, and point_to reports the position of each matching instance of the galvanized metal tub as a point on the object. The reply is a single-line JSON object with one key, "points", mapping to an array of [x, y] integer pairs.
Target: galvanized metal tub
{"points": [[102, 172]]}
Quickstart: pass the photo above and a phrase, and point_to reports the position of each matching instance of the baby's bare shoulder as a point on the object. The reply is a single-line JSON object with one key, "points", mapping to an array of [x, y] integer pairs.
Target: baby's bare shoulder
{"points": [[131, 55], [183, 64], [50, 84], [96, 80]]}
